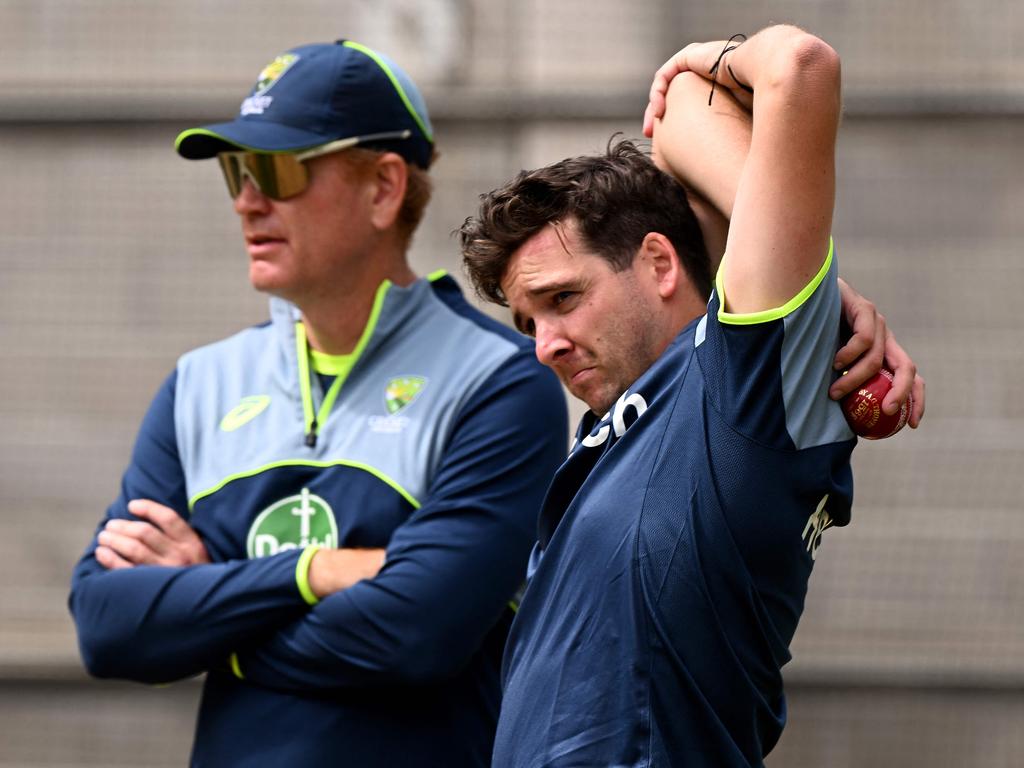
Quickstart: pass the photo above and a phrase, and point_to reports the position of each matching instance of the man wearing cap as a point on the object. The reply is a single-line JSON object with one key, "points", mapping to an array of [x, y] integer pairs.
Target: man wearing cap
{"points": [[329, 513]]}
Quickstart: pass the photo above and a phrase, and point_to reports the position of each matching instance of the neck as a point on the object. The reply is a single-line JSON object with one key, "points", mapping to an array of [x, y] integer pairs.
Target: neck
{"points": [[335, 320]]}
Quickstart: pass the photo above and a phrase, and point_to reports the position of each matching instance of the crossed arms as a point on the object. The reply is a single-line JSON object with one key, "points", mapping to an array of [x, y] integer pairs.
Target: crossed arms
{"points": [[159, 613]]}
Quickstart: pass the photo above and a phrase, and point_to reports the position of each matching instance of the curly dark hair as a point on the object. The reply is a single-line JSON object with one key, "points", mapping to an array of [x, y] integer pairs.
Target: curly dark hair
{"points": [[616, 198]]}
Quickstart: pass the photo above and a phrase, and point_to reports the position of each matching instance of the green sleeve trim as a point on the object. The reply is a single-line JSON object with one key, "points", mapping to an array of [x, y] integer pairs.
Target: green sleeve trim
{"points": [[437, 274], [394, 81], [299, 463], [236, 668], [754, 318], [302, 575]]}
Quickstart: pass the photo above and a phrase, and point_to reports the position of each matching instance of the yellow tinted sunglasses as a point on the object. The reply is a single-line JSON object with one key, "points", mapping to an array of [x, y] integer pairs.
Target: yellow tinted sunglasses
{"points": [[283, 175]]}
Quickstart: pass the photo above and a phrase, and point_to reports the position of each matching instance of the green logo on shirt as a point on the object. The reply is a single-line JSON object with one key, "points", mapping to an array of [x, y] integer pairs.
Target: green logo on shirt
{"points": [[401, 391], [247, 410], [298, 521]]}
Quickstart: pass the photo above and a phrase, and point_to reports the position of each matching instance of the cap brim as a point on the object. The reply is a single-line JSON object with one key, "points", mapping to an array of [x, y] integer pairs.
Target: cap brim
{"points": [[252, 136]]}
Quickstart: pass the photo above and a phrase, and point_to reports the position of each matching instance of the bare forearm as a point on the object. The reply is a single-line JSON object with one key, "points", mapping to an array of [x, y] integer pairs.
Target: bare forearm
{"points": [[703, 146]]}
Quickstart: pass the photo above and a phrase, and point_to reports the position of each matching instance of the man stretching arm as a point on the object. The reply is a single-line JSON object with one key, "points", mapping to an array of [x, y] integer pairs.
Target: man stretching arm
{"points": [[677, 540]]}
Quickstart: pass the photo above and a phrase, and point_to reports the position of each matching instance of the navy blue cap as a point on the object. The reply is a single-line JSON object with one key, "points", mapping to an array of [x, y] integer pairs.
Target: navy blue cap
{"points": [[315, 94]]}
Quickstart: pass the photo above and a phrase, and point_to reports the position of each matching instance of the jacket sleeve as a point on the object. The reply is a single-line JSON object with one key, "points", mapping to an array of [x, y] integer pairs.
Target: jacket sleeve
{"points": [[157, 624], [452, 567]]}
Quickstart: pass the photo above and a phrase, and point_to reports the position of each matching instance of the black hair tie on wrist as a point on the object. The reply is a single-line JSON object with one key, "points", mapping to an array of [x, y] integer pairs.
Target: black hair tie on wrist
{"points": [[714, 70]]}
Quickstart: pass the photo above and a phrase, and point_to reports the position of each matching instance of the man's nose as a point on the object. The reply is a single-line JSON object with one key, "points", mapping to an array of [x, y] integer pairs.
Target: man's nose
{"points": [[551, 341], [250, 199]]}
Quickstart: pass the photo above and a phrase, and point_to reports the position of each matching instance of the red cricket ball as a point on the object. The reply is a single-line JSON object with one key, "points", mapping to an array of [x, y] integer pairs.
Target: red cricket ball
{"points": [[863, 408]]}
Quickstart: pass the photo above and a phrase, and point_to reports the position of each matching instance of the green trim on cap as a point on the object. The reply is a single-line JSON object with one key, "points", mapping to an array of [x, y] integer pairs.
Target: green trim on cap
{"points": [[302, 575], [754, 318], [197, 132], [394, 81], [186, 134]]}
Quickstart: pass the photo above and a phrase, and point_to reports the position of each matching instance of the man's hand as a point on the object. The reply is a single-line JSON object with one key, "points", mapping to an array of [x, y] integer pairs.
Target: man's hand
{"points": [[332, 570], [700, 58], [863, 354], [162, 537]]}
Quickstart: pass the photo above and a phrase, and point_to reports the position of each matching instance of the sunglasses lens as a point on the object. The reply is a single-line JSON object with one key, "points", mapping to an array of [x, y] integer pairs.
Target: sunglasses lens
{"points": [[276, 176], [231, 167]]}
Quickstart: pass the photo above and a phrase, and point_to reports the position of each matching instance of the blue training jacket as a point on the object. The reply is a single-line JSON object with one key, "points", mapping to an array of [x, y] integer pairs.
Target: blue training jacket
{"points": [[437, 443]]}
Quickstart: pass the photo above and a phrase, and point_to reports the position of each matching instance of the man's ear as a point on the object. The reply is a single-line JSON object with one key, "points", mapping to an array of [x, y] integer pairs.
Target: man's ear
{"points": [[390, 180], [661, 261]]}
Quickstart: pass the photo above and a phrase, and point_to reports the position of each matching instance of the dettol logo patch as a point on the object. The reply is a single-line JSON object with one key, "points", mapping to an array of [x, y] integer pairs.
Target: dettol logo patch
{"points": [[298, 521]]}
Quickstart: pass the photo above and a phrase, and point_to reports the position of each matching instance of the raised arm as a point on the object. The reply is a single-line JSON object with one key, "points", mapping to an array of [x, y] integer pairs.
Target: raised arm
{"points": [[782, 214], [702, 135]]}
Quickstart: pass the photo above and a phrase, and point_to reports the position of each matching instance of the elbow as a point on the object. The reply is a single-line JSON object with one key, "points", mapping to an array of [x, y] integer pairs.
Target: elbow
{"points": [[108, 658], [107, 651], [814, 58], [803, 65], [98, 657], [98, 661], [102, 655]]}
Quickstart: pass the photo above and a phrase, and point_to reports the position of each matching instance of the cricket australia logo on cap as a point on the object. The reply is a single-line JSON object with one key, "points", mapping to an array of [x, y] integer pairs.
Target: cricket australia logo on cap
{"points": [[399, 394], [258, 102], [297, 521]]}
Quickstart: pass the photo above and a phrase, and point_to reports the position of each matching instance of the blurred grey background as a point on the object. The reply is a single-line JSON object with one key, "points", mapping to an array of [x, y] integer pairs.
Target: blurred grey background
{"points": [[116, 256]]}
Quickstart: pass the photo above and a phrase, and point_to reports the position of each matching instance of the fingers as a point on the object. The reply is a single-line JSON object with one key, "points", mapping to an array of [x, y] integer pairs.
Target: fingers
{"points": [[162, 537], [179, 544], [904, 371], [862, 355], [917, 412], [655, 98], [110, 560], [648, 126], [906, 381], [137, 543], [679, 62], [164, 518]]}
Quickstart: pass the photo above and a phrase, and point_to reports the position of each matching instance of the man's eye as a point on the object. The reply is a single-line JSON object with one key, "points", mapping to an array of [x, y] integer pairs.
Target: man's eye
{"points": [[562, 296]]}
